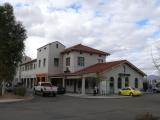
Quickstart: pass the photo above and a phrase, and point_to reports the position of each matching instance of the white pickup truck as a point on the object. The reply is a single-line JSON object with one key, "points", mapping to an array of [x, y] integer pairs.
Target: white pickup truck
{"points": [[44, 88]]}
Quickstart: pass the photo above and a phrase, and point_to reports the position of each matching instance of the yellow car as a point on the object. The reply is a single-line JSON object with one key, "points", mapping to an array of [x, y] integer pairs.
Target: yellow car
{"points": [[130, 91]]}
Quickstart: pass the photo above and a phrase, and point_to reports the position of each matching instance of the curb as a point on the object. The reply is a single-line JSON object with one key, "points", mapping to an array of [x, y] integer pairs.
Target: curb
{"points": [[98, 97]]}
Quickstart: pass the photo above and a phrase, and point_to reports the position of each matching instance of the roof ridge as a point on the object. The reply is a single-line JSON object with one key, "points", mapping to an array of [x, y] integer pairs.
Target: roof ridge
{"points": [[84, 48]]}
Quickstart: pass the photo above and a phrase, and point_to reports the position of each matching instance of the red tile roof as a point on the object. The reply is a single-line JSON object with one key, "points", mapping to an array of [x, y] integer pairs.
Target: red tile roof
{"points": [[82, 48], [101, 67]]}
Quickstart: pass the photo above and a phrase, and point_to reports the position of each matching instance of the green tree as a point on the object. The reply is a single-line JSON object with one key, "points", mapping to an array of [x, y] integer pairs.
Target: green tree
{"points": [[12, 36]]}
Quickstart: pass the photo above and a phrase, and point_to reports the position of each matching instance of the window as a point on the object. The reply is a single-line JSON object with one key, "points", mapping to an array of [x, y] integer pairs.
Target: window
{"points": [[34, 66], [100, 60], [68, 61], [124, 68], [25, 67], [56, 45], [80, 61], [39, 64], [136, 82], [119, 83], [31, 66], [44, 62], [126, 82], [111, 84], [56, 62]]}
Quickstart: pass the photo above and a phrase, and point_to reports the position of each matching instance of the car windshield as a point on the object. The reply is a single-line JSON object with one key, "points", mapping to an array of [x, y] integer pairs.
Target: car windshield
{"points": [[46, 84]]}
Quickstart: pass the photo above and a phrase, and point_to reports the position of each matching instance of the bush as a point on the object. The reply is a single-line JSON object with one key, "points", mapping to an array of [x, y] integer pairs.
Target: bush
{"points": [[21, 91], [147, 116]]}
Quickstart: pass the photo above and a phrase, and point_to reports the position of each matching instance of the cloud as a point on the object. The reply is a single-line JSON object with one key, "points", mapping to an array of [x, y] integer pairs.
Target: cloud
{"points": [[126, 29]]}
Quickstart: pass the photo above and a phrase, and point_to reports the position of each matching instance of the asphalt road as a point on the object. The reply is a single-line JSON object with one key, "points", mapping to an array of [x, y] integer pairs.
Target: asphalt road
{"points": [[71, 108]]}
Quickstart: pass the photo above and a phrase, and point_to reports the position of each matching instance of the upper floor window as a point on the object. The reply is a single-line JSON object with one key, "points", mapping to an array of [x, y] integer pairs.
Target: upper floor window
{"points": [[44, 62], [34, 66], [25, 67], [56, 62], [56, 45], [80, 61], [31, 66], [100, 60], [68, 61], [39, 64], [124, 68]]}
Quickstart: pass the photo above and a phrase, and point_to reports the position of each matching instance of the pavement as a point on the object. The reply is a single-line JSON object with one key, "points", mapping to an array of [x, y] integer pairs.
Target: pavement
{"points": [[10, 100], [13, 98], [29, 96], [63, 107]]}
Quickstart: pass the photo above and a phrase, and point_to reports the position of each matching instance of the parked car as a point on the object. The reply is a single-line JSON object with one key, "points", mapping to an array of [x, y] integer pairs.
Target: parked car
{"points": [[60, 89], [45, 88], [156, 88], [130, 91]]}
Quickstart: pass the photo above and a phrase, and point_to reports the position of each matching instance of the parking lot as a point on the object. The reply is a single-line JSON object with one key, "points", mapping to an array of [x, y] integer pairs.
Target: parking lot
{"points": [[72, 108]]}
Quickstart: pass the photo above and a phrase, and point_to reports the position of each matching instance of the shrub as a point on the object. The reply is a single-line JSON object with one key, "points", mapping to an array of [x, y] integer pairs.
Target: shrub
{"points": [[21, 91], [147, 116]]}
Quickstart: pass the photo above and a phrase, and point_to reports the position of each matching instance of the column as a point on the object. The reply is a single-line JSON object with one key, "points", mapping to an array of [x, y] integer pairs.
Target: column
{"points": [[63, 82], [83, 86]]}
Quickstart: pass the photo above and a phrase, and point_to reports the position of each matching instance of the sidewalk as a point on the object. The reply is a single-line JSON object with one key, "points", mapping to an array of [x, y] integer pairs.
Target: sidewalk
{"points": [[96, 97], [10, 97]]}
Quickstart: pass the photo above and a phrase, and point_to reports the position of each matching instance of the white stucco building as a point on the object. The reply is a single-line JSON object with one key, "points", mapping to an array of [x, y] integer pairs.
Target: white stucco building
{"points": [[79, 69]]}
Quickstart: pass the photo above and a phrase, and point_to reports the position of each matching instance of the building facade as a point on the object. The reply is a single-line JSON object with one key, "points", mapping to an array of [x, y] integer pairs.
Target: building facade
{"points": [[79, 69]]}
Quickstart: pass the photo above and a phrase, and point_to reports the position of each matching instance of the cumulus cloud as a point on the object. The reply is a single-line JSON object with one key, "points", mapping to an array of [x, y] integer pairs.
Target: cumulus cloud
{"points": [[128, 29]]}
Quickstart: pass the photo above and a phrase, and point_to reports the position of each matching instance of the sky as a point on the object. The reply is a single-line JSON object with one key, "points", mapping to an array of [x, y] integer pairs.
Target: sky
{"points": [[127, 29]]}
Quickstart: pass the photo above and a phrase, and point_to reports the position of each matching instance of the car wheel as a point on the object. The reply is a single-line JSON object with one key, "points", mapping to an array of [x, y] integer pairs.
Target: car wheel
{"points": [[131, 94], [119, 93]]}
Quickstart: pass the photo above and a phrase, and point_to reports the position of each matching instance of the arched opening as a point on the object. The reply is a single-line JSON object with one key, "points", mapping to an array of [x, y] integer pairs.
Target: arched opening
{"points": [[119, 83], [126, 82]]}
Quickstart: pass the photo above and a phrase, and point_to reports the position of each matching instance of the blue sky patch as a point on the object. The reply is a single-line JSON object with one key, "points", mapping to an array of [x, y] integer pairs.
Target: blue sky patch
{"points": [[75, 6], [142, 22], [53, 9], [156, 33], [103, 2], [98, 13], [22, 5]]}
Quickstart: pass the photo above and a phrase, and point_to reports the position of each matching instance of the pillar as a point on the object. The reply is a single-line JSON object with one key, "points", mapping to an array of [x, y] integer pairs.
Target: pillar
{"points": [[63, 82], [83, 86]]}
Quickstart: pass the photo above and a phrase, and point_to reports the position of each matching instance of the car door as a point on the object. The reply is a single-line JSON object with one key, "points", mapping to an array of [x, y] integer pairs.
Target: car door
{"points": [[126, 91]]}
